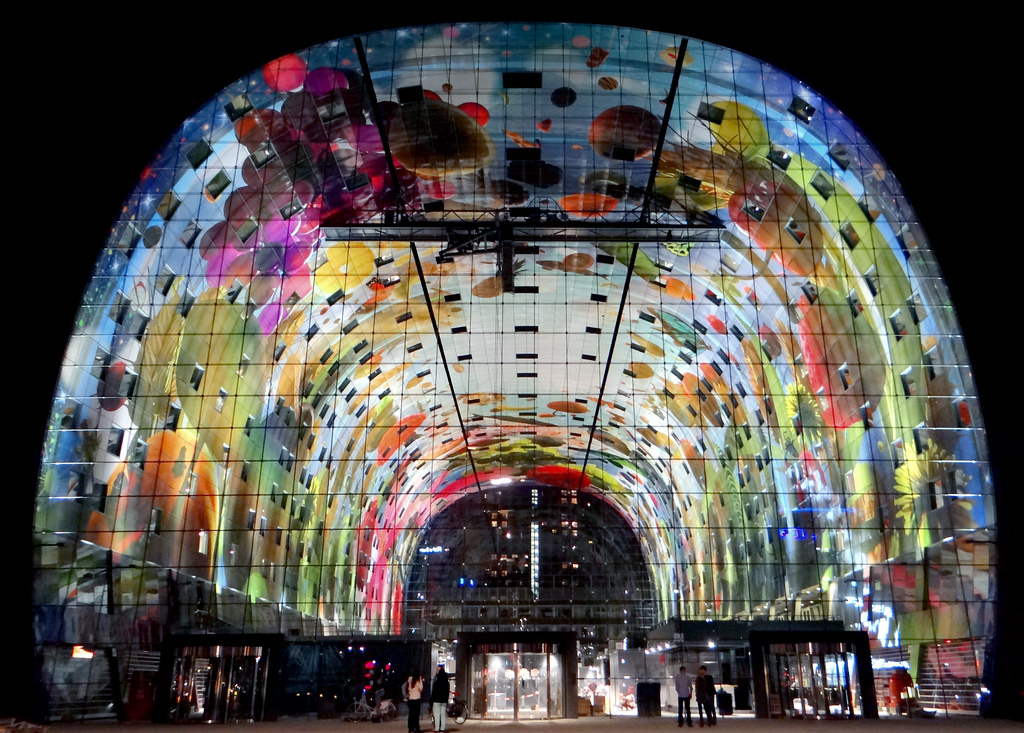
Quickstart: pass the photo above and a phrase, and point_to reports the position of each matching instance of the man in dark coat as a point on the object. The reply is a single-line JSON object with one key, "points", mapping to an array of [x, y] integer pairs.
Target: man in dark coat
{"points": [[704, 691]]}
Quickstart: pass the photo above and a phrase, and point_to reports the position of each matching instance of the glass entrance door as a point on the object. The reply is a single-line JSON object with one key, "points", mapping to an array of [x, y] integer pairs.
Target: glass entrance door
{"points": [[516, 682], [812, 680], [533, 686], [218, 684]]}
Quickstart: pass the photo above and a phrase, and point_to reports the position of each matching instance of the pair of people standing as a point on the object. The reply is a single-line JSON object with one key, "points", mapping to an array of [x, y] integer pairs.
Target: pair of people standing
{"points": [[439, 693], [704, 689]]}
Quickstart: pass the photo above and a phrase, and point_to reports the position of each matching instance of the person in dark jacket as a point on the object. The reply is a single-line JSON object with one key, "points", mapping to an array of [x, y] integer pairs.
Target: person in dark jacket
{"points": [[439, 692], [704, 691]]}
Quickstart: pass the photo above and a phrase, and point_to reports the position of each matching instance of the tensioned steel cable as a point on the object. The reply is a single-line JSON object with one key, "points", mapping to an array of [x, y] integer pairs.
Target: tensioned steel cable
{"points": [[644, 214], [669, 102], [375, 106], [444, 361]]}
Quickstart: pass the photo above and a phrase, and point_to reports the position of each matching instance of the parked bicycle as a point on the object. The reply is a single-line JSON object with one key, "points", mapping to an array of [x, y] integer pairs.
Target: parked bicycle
{"points": [[363, 710], [457, 709]]}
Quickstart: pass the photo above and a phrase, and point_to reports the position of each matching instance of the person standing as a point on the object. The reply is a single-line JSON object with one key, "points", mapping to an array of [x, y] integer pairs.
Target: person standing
{"points": [[415, 698], [684, 690], [704, 687], [439, 692]]}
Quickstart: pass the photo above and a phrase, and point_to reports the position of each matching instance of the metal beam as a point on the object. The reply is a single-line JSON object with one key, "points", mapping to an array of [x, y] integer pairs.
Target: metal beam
{"points": [[526, 232]]}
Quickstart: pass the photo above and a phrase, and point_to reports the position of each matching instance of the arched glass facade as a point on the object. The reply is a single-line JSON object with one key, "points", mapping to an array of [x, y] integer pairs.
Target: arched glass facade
{"points": [[427, 330]]}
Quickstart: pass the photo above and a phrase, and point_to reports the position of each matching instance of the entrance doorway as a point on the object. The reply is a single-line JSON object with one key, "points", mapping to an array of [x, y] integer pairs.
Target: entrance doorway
{"points": [[812, 680], [518, 676], [217, 683], [517, 682], [824, 677]]}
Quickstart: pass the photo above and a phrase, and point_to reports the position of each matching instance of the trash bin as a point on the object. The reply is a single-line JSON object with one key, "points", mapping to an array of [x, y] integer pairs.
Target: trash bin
{"points": [[742, 696], [648, 700], [724, 702], [326, 708]]}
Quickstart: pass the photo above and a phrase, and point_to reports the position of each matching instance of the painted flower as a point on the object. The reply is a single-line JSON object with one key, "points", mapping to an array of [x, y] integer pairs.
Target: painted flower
{"points": [[805, 413], [914, 476]]}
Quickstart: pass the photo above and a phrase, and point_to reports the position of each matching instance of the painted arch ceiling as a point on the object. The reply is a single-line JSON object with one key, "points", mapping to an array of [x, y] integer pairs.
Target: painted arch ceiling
{"points": [[706, 302]]}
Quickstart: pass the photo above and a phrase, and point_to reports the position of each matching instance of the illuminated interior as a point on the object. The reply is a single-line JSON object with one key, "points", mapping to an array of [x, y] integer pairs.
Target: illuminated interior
{"points": [[505, 326]]}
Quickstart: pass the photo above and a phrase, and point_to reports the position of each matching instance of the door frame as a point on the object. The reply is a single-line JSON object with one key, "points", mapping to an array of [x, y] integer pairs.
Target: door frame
{"points": [[563, 644], [174, 644], [760, 645]]}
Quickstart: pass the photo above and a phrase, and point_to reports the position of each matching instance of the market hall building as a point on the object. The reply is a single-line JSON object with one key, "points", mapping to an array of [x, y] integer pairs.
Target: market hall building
{"points": [[558, 354]]}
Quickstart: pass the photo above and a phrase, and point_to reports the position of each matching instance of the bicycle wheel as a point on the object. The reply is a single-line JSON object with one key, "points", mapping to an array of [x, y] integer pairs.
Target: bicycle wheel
{"points": [[390, 712], [353, 713], [460, 715]]}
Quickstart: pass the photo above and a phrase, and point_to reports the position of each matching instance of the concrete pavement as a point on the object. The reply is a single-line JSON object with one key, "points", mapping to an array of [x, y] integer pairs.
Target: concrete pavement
{"points": [[618, 724]]}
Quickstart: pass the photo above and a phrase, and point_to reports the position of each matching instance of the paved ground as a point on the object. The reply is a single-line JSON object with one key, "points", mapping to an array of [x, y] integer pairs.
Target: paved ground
{"points": [[666, 723]]}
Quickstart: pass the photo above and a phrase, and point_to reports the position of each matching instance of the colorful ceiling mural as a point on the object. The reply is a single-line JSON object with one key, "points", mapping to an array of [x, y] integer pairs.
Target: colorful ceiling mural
{"points": [[387, 272]]}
